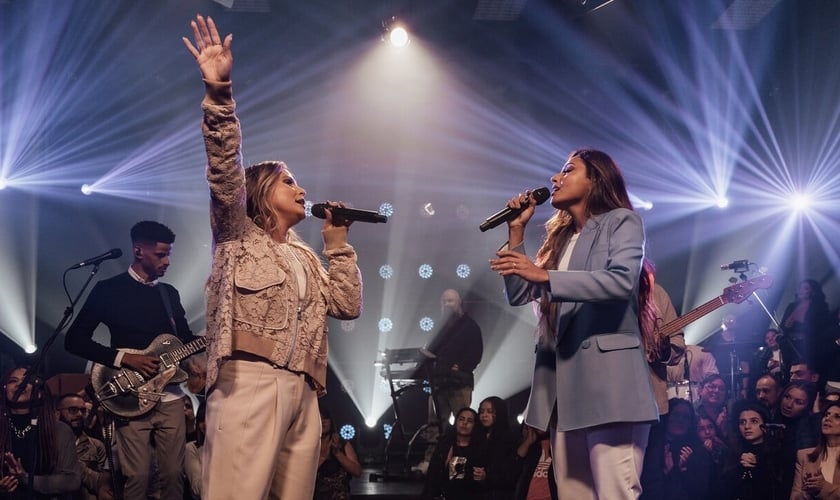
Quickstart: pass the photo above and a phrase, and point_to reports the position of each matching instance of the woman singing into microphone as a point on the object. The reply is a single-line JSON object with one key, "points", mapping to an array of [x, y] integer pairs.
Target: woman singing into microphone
{"points": [[268, 296], [591, 382]]}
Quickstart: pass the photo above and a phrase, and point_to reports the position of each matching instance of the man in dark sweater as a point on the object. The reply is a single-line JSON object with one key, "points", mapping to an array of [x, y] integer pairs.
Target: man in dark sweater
{"points": [[137, 308], [456, 350]]}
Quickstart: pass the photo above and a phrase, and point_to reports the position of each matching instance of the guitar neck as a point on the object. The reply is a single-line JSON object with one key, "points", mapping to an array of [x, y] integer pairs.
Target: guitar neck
{"points": [[187, 350], [691, 316]]}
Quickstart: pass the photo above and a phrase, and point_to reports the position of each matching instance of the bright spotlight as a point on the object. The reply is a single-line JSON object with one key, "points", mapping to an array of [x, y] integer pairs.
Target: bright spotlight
{"points": [[3, 183], [399, 37], [394, 33], [386, 431], [520, 418], [87, 189], [722, 202], [370, 421], [30, 348], [800, 202]]}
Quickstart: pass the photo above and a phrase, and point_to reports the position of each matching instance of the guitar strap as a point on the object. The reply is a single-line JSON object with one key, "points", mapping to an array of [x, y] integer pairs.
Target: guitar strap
{"points": [[168, 305]]}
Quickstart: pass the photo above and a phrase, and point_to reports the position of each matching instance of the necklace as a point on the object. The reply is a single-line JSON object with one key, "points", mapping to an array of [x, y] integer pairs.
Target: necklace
{"points": [[20, 433]]}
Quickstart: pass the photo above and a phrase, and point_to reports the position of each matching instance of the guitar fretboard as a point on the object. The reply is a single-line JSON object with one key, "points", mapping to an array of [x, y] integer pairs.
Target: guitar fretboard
{"points": [[188, 349]]}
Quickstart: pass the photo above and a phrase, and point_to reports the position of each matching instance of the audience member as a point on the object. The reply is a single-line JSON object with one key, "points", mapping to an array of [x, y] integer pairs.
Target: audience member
{"points": [[687, 465], [37, 451], [337, 462], [709, 435], [536, 480], [751, 471], [712, 403], [807, 323], [96, 478], [457, 468], [817, 474], [800, 427], [769, 393], [774, 357], [498, 445]]}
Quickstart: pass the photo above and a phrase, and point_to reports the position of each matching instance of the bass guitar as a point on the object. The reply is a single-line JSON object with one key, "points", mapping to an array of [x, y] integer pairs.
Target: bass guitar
{"points": [[734, 294], [127, 393]]}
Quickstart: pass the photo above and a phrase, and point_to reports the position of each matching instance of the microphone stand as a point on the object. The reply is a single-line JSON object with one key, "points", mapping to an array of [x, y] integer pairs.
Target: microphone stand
{"points": [[42, 353], [37, 382]]}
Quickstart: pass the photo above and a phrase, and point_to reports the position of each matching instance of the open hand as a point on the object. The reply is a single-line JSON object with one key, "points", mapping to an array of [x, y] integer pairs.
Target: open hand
{"points": [[213, 55]]}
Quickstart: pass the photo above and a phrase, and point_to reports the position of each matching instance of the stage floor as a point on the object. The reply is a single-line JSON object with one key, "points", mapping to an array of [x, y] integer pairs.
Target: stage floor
{"points": [[385, 486]]}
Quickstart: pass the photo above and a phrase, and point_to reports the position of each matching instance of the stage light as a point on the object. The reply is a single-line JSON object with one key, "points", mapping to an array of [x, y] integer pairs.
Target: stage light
{"points": [[425, 271], [31, 348], [386, 209], [428, 210], [394, 32], [386, 431], [463, 271], [307, 208], [520, 418], [722, 202], [87, 189], [800, 202], [385, 325], [427, 323], [347, 432], [3, 183], [386, 271], [370, 422]]}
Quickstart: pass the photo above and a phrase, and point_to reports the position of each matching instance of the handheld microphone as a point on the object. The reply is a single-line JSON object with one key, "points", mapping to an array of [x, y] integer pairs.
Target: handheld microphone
{"points": [[507, 213], [736, 265], [113, 253], [320, 210]]}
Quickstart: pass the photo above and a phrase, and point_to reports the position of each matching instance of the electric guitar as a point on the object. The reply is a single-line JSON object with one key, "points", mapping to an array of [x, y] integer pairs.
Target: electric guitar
{"points": [[734, 294], [127, 393]]}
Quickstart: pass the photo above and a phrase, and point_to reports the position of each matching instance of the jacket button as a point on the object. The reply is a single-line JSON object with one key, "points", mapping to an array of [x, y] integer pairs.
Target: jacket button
{"points": [[586, 343]]}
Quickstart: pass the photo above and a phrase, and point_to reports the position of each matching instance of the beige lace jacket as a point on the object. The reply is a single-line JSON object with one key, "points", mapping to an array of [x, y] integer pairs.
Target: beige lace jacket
{"points": [[253, 304]]}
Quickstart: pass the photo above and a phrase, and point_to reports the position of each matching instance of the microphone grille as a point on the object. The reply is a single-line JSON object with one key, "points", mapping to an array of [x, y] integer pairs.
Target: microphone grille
{"points": [[319, 211], [541, 194]]}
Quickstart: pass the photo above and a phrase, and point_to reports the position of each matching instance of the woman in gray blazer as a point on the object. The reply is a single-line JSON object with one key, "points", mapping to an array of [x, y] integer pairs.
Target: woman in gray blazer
{"points": [[591, 382]]}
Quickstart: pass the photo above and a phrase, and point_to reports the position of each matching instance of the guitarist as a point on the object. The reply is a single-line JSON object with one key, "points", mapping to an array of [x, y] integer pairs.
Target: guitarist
{"points": [[137, 307]]}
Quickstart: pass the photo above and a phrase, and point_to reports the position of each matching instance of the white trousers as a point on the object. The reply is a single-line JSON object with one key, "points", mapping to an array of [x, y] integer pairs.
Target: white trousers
{"points": [[263, 434], [600, 463]]}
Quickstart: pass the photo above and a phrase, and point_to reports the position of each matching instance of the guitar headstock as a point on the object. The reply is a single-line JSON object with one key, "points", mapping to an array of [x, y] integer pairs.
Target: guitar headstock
{"points": [[739, 292]]}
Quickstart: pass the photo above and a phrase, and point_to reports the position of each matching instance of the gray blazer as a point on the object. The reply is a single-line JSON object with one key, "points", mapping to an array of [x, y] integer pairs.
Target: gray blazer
{"points": [[596, 371]]}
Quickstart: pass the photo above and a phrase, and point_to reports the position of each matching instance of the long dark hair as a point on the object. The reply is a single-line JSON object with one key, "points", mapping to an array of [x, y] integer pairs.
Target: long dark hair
{"points": [[47, 453], [608, 192], [500, 430]]}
